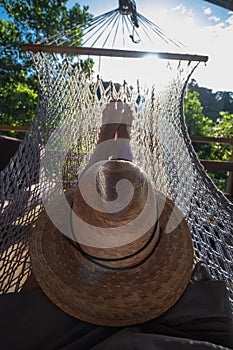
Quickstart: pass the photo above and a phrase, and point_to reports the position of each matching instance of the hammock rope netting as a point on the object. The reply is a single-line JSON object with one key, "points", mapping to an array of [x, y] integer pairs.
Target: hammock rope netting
{"points": [[72, 100]]}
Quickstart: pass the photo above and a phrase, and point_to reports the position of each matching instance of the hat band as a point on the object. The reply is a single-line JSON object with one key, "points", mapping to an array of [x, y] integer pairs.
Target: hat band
{"points": [[97, 260]]}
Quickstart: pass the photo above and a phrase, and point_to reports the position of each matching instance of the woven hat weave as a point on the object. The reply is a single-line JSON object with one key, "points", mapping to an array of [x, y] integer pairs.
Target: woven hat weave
{"points": [[122, 284]]}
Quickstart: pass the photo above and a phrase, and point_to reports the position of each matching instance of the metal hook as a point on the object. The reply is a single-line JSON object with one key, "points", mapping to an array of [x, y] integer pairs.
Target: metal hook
{"points": [[128, 8], [132, 37]]}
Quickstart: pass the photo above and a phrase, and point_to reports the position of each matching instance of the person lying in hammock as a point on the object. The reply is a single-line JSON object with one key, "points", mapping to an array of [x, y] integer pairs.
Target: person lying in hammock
{"points": [[117, 278]]}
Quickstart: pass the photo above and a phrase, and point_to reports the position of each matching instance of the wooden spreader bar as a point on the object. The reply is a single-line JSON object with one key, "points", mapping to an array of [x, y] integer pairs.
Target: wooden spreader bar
{"points": [[75, 50]]}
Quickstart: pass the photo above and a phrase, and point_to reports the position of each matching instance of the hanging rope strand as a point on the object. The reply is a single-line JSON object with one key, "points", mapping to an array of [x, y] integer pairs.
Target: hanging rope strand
{"points": [[96, 25], [116, 31], [100, 30], [123, 30], [94, 21], [102, 25], [144, 29], [117, 19], [103, 32], [156, 29]]}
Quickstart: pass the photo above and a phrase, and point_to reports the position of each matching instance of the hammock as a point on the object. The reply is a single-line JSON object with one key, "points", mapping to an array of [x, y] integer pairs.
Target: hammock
{"points": [[68, 118]]}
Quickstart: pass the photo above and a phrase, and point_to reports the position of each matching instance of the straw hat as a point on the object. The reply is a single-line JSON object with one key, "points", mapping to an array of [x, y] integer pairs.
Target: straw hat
{"points": [[131, 279]]}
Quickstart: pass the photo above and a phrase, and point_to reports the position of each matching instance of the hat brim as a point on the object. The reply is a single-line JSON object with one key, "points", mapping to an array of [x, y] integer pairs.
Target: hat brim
{"points": [[111, 298]]}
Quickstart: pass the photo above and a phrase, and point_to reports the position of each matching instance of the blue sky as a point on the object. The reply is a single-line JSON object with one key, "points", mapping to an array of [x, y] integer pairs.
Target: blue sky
{"points": [[197, 6], [203, 28]]}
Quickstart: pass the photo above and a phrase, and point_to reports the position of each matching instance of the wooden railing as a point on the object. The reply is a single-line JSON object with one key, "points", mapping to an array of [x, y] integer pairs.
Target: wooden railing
{"points": [[210, 165], [14, 128], [217, 165]]}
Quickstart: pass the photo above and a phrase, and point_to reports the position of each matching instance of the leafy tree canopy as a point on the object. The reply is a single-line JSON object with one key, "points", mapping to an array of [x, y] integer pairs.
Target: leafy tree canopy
{"points": [[197, 122], [29, 21], [201, 125], [37, 19], [213, 103]]}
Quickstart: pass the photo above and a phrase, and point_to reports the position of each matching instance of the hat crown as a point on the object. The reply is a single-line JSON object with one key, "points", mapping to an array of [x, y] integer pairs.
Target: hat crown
{"points": [[142, 240]]}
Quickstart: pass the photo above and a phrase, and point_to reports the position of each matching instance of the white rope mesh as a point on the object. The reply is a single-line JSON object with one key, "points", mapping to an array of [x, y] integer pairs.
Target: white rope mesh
{"points": [[73, 101]]}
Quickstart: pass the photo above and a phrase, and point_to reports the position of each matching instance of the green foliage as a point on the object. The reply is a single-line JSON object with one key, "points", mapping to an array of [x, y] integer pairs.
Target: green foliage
{"points": [[197, 122], [213, 103], [200, 125], [37, 19], [11, 65], [224, 125], [18, 99], [222, 128], [30, 21]]}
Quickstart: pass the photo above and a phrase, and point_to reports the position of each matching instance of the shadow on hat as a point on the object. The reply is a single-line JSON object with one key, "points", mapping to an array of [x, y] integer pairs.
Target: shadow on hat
{"points": [[119, 265]]}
